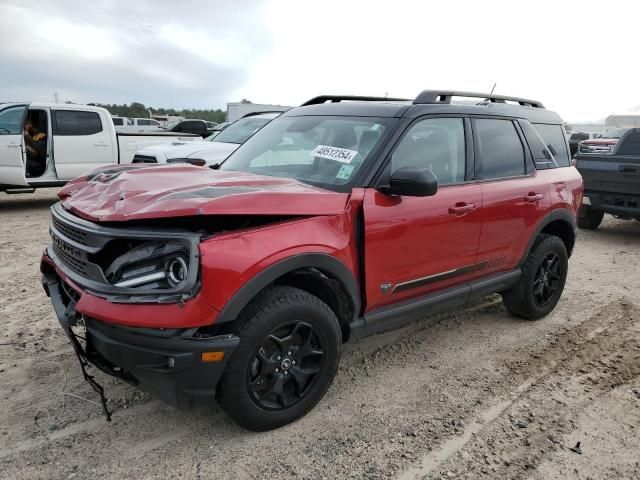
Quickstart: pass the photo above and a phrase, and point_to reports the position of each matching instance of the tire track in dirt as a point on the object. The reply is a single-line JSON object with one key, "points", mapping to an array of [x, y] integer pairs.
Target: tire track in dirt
{"points": [[512, 438]]}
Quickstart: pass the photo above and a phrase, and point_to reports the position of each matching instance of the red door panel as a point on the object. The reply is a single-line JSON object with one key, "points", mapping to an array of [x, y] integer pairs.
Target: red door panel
{"points": [[511, 210], [410, 238]]}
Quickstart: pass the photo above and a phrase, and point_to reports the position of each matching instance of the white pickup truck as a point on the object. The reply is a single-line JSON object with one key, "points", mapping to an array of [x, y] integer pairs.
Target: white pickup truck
{"points": [[66, 141]]}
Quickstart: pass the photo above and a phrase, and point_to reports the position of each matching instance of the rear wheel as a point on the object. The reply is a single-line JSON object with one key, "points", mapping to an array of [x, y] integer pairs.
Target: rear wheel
{"points": [[543, 277], [286, 360], [589, 218]]}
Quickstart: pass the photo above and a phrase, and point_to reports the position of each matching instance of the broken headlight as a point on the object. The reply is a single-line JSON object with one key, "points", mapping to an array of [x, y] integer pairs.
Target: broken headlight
{"points": [[152, 264]]}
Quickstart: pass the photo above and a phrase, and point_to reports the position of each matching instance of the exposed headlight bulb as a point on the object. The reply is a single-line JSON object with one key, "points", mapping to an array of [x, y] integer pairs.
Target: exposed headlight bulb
{"points": [[176, 271]]}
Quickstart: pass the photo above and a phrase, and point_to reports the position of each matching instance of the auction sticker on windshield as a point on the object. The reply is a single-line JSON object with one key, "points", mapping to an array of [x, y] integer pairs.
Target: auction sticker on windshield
{"points": [[334, 153]]}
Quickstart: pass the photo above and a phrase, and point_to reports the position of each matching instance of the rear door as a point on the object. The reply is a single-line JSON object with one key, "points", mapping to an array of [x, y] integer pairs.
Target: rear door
{"points": [[515, 197], [82, 141], [417, 245], [12, 145]]}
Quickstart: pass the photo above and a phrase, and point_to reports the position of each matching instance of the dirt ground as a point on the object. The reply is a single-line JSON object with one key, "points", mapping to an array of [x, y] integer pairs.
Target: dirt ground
{"points": [[468, 394]]}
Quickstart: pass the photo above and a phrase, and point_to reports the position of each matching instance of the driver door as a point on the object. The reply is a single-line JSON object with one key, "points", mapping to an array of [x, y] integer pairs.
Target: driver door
{"points": [[12, 145]]}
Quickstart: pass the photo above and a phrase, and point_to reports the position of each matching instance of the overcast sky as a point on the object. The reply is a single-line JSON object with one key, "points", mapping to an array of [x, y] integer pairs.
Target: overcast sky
{"points": [[577, 57]]}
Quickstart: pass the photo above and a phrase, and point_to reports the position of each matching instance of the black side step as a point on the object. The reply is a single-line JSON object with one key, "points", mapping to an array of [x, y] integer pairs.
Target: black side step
{"points": [[386, 318]]}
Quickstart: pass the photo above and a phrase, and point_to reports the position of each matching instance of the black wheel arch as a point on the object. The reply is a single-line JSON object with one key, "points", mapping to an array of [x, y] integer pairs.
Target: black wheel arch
{"points": [[316, 273], [560, 223]]}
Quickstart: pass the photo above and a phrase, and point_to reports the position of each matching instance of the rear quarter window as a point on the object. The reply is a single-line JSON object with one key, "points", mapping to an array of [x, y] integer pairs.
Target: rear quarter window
{"points": [[554, 137], [75, 122]]}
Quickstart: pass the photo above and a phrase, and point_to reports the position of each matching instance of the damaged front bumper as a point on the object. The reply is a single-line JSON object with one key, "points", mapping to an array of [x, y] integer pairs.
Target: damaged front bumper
{"points": [[168, 363]]}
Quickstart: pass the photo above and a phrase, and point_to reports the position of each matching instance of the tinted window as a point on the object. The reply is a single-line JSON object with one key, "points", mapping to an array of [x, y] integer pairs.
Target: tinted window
{"points": [[117, 121], [499, 149], [436, 144], [72, 122], [554, 137], [11, 120]]}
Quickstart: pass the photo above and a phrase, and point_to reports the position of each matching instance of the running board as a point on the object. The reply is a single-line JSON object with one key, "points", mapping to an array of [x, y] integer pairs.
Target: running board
{"points": [[386, 318]]}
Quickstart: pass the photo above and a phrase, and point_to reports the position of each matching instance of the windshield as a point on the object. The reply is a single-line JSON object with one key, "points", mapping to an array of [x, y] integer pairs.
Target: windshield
{"points": [[241, 130], [617, 133], [321, 150]]}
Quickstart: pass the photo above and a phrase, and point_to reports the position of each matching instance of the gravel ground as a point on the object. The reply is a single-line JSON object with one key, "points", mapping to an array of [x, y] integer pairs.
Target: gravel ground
{"points": [[473, 393]]}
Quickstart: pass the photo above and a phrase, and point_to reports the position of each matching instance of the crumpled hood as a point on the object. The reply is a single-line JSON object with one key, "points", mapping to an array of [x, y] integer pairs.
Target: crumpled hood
{"points": [[135, 193]]}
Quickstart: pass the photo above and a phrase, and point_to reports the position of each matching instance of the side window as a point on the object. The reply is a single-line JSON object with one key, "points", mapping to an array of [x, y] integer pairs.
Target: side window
{"points": [[73, 122], [555, 138], [437, 144], [499, 148], [118, 121], [11, 120]]}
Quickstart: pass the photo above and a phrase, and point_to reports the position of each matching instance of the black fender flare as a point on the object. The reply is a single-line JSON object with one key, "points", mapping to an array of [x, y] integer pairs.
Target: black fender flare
{"points": [[327, 264], [563, 214]]}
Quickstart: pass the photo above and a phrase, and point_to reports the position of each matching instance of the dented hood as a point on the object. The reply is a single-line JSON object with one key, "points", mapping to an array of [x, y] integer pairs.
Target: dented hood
{"points": [[135, 193]]}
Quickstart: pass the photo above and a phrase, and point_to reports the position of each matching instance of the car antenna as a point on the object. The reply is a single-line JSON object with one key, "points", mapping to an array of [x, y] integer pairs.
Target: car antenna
{"points": [[494, 87]]}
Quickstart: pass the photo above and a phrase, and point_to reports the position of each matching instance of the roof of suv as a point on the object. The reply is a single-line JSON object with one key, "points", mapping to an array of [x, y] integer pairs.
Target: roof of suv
{"points": [[429, 101]]}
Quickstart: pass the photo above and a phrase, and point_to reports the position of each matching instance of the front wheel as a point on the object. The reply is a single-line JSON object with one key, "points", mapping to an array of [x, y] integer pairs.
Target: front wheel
{"points": [[287, 358], [544, 273], [589, 218]]}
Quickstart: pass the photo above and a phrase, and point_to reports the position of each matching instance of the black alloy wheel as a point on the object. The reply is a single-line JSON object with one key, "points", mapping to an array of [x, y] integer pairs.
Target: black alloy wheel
{"points": [[547, 280], [285, 366]]}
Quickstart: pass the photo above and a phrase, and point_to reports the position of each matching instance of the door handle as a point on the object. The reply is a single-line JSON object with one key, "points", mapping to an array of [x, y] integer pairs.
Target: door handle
{"points": [[533, 197], [13, 145], [100, 145], [461, 208]]}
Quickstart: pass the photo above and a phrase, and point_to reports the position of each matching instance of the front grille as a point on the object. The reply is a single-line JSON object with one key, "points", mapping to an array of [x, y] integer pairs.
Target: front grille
{"points": [[144, 159], [73, 233], [77, 265]]}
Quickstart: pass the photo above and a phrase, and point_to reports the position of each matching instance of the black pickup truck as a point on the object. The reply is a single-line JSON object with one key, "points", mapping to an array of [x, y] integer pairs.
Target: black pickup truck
{"points": [[611, 182]]}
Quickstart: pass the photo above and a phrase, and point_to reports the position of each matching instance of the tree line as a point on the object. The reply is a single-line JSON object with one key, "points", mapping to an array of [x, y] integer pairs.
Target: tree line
{"points": [[138, 110]]}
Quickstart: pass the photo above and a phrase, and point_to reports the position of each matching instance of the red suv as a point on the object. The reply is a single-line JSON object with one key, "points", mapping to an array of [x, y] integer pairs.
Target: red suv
{"points": [[340, 218]]}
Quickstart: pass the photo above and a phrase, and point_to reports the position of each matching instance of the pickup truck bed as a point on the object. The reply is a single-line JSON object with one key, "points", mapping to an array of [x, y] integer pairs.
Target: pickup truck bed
{"points": [[611, 182]]}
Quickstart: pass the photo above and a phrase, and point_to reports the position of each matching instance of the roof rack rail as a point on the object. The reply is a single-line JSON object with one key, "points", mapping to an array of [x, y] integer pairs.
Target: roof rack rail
{"points": [[340, 98], [444, 96]]}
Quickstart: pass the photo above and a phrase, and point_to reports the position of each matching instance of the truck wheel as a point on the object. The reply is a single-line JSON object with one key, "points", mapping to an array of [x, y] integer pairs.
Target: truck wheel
{"points": [[544, 273], [589, 218], [287, 358]]}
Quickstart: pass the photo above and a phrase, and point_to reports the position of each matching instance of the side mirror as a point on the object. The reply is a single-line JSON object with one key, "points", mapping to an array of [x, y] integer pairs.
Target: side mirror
{"points": [[412, 182]]}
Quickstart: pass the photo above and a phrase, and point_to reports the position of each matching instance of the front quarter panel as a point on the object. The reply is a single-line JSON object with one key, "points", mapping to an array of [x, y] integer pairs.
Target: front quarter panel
{"points": [[230, 261]]}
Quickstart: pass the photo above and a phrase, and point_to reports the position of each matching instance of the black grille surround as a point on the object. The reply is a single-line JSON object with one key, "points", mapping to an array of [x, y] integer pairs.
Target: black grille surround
{"points": [[77, 245]]}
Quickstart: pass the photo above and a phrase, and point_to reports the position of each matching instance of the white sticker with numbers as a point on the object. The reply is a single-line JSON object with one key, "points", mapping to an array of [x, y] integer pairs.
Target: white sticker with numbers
{"points": [[334, 153]]}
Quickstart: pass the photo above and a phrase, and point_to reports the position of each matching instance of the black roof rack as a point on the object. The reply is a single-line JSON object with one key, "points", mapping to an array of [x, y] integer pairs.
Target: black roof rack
{"points": [[444, 96], [339, 98]]}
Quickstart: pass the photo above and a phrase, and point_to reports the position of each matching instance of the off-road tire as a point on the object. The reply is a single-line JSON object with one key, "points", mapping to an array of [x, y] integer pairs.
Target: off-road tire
{"points": [[589, 218], [276, 306], [520, 299]]}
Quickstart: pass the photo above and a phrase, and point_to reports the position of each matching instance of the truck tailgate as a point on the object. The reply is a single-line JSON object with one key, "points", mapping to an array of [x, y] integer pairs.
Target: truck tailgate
{"points": [[610, 173]]}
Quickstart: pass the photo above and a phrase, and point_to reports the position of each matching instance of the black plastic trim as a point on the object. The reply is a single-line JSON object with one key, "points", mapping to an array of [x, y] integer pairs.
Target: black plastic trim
{"points": [[563, 214], [98, 236], [322, 261], [385, 318]]}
